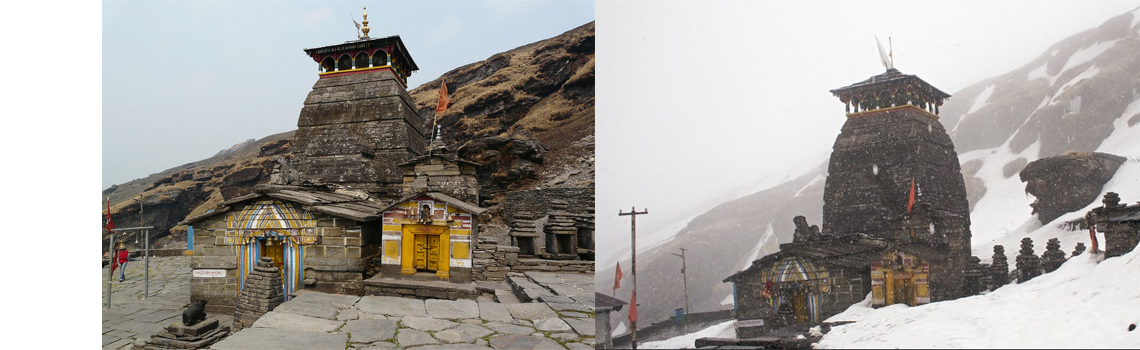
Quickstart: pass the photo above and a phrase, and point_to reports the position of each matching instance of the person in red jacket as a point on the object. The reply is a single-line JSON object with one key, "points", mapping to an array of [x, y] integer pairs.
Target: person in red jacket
{"points": [[121, 260]]}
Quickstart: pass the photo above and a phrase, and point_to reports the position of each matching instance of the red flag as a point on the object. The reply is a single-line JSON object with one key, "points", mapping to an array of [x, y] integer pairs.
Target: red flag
{"points": [[910, 202], [443, 100], [110, 224], [617, 278], [633, 307]]}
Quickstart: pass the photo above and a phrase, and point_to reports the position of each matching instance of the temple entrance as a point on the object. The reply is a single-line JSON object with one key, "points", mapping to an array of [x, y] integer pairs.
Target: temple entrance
{"points": [[425, 248], [427, 252], [800, 306], [901, 290], [275, 252]]}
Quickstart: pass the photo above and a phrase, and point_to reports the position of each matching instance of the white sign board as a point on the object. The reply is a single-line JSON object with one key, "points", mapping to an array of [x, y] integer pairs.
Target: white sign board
{"points": [[749, 323], [209, 273]]}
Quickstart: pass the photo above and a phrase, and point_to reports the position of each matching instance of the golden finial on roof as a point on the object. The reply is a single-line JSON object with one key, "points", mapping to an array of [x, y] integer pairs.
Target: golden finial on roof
{"points": [[365, 30]]}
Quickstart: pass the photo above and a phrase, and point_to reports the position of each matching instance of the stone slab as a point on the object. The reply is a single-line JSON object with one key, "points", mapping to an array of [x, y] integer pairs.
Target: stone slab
{"points": [[369, 330], [452, 309], [524, 342], [310, 309], [281, 339], [426, 323], [552, 324], [582, 326], [287, 321], [509, 329], [494, 312], [531, 311], [465, 333], [335, 300], [409, 337], [392, 306], [453, 347]]}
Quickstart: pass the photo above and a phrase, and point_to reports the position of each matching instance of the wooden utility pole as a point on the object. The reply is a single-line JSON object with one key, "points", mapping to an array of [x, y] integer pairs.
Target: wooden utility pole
{"points": [[633, 213], [684, 279]]}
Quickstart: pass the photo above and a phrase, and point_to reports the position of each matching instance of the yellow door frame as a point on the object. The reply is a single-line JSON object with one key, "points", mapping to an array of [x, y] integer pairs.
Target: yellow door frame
{"points": [[407, 256]]}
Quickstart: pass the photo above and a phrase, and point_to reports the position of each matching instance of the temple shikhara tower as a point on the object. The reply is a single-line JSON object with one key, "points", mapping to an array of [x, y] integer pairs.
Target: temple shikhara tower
{"points": [[359, 122], [895, 217]]}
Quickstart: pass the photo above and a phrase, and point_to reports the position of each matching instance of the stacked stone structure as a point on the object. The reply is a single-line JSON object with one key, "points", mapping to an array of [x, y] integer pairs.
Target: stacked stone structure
{"points": [[530, 211], [561, 233], [1028, 263], [973, 275], [999, 268], [524, 234], [261, 294], [1079, 249], [1053, 257], [1120, 224]]}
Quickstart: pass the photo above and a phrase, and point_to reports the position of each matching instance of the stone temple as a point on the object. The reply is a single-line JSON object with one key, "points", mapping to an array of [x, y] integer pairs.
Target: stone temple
{"points": [[895, 217], [365, 204]]}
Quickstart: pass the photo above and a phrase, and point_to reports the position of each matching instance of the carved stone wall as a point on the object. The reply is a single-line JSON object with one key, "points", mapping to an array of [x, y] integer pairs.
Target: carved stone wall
{"points": [[354, 129]]}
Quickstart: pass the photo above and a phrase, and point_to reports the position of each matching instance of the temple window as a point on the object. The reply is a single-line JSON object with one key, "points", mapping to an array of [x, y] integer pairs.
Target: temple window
{"points": [[344, 62], [362, 60], [329, 64], [379, 58]]}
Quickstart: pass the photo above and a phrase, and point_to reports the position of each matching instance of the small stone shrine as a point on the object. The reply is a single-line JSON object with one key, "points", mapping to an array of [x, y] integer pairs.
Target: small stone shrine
{"points": [[561, 233], [1120, 224], [262, 293], [999, 268], [179, 335], [1028, 264], [1053, 257]]}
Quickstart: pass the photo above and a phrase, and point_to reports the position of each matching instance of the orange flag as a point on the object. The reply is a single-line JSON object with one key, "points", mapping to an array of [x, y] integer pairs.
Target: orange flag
{"points": [[443, 100], [633, 307], [910, 202], [617, 278]]}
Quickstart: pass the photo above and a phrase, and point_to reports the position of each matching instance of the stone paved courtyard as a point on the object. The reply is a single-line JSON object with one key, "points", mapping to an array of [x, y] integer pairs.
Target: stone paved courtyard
{"points": [[562, 318]]}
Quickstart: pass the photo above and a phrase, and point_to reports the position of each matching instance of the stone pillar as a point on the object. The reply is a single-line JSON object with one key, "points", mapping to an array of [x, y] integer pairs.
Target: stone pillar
{"points": [[999, 269], [263, 291], [1028, 264], [1053, 256]]}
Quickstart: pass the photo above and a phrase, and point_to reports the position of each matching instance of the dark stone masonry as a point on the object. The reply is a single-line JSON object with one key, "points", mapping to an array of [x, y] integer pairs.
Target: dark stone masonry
{"points": [[261, 294]]}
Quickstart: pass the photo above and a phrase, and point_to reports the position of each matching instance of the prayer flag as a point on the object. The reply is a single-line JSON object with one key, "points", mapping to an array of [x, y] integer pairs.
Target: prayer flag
{"points": [[617, 278], [443, 100], [910, 202], [633, 307]]}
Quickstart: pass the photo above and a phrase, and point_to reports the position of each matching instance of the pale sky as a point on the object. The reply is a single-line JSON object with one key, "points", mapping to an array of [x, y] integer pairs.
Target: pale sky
{"points": [[183, 80], [699, 100]]}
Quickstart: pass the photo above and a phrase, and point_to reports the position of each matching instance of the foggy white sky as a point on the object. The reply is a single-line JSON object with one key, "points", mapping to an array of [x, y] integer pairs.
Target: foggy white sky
{"points": [[183, 80], [697, 100]]}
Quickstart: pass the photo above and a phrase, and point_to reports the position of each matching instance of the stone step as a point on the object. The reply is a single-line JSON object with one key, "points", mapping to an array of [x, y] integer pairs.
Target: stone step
{"points": [[504, 296]]}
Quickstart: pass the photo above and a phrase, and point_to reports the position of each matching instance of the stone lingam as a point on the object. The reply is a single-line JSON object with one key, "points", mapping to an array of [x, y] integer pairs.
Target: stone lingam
{"points": [[196, 331]]}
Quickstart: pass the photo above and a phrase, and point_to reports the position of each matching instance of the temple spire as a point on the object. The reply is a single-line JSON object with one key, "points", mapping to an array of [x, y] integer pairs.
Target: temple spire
{"points": [[365, 30]]}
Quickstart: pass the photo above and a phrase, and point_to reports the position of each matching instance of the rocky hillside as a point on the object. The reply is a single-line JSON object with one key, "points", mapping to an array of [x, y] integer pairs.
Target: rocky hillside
{"points": [[1080, 95], [526, 114]]}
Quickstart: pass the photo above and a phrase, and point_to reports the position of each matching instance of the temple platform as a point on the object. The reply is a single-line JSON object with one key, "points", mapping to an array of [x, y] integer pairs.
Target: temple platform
{"points": [[420, 287]]}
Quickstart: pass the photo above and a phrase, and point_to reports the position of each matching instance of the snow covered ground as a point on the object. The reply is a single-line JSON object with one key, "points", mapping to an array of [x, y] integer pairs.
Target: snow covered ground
{"points": [[1084, 304], [687, 341]]}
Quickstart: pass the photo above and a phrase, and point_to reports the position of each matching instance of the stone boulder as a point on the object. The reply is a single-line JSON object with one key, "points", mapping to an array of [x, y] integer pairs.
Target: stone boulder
{"points": [[1067, 182], [508, 161]]}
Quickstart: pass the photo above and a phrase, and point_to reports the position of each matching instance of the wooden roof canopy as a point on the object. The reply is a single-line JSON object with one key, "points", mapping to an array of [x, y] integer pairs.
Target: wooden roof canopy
{"points": [[890, 89]]}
